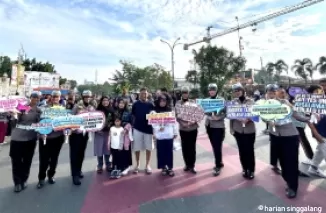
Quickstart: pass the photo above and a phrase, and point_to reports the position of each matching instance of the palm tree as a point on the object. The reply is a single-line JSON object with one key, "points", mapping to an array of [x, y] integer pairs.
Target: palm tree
{"points": [[275, 70], [303, 68], [321, 66]]}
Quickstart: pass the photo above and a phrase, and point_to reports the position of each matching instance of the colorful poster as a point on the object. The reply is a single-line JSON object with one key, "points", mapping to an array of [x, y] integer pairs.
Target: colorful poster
{"points": [[240, 111], [68, 122], [44, 127], [211, 105], [310, 103], [11, 103], [190, 112], [161, 118], [92, 121], [271, 110], [293, 91], [53, 112]]}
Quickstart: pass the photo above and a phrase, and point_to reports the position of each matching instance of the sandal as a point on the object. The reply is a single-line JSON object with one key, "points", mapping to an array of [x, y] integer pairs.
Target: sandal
{"points": [[164, 172], [171, 173]]}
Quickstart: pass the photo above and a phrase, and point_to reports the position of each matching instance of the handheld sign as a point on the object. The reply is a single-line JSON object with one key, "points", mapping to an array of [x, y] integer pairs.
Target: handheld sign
{"points": [[44, 127], [310, 103], [161, 118], [92, 121], [238, 111], [8, 104], [211, 105], [190, 112], [271, 110], [54, 112], [293, 91], [70, 122]]}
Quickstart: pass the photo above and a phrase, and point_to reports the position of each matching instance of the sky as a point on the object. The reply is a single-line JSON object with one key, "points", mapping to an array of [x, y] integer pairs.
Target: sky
{"points": [[81, 36]]}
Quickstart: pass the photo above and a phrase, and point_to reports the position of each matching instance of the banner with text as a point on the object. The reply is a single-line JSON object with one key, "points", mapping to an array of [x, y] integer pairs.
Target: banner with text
{"points": [[211, 105], [8, 104], [189, 112], [240, 111], [161, 118], [271, 110], [310, 103]]}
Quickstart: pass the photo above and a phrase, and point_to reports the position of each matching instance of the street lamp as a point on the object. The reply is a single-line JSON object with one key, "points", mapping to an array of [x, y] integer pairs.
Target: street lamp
{"points": [[172, 55]]}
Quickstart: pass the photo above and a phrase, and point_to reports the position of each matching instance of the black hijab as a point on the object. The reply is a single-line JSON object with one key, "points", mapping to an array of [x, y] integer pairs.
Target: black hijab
{"points": [[160, 109]]}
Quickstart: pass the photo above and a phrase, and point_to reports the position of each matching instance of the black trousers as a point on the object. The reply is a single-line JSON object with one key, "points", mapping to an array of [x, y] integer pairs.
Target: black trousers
{"points": [[216, 137], [305, 143], [273, 152], [121, 159], [49, 155], [21, 153], [78, 145], [188, 146], [288, 153], [246, 145]]}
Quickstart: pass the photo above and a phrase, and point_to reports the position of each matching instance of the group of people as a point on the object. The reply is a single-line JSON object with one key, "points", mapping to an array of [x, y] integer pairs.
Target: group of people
{"points": [[127, 130]]}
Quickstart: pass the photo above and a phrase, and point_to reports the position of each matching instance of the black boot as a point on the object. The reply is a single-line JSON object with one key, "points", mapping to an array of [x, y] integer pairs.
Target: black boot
{"points": [[40, 184], [76, 180], [18, 188], [290, 193], [51, 180], [216, 171]]}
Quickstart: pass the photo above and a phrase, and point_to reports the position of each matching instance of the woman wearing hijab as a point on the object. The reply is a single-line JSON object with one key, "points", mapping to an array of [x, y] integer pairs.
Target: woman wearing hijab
{"points": [[215, 129], [164, 135], [285, 144], [188, 134], [244, 131], [23, 142], [101, 149]]}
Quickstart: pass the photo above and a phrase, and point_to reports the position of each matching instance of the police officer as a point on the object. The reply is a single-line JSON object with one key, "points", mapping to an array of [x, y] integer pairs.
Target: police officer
{"points": [[188, 134], [215, 129], [49, 151], [285, 140], [78, 140], [244, 131]]}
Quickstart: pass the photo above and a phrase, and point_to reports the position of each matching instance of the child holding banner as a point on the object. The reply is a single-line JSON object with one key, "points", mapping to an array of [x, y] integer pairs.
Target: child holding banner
{"points": [[164, 134]]}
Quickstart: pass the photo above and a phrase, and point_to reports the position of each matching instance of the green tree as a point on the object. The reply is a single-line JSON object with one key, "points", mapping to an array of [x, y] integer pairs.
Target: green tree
{"points": [[5, 65], [321, 65], [97, 89], [274, 70], [192, 76], [217, 65], [62, 81], [303, 68], [73, 84]]}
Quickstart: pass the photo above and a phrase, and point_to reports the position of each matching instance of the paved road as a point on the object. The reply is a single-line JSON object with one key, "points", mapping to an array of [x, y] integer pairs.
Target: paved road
{"points": [[184, 193]]}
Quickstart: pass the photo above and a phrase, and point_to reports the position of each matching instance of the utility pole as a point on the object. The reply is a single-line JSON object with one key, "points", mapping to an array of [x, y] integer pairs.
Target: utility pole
{"points": [[172, 55], [96, 75], [239, 37], [208, 34]]}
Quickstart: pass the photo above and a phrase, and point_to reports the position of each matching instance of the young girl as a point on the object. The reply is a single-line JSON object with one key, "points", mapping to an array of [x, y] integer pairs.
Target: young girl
{"points": [[119, 143], [101, 137], [164, 135]]}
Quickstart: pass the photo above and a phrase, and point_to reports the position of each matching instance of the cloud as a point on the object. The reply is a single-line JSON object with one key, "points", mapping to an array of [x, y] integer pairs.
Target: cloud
{"points": [[84, 35]]}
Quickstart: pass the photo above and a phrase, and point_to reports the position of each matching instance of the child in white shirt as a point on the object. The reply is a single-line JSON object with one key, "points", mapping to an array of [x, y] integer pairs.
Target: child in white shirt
{"points": [[119, 144]]}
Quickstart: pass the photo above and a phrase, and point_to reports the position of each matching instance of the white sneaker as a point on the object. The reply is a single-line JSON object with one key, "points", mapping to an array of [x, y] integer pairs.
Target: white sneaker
{"points": [[125, 172], [316, 172], [307, 162]]}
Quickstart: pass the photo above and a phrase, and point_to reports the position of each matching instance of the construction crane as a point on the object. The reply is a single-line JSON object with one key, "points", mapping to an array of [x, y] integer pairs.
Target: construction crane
{"points": [[253, 23]]}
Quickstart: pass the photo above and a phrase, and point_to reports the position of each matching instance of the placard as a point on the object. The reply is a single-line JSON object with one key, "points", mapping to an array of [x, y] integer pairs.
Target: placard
{"points": [[69, 122], [44, 127], [189, 112], [211, 105], [161, 118], [310, 103], [8, 104], [92, 121], [54, 112], [240, 111], [293, 91], [271, 110]]}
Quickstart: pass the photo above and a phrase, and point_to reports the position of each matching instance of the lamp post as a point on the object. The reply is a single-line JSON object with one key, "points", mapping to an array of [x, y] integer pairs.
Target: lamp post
{"points": [[172, 55]]}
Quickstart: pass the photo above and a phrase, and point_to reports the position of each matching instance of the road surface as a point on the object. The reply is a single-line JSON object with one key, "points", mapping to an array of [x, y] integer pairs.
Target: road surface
{"points": [[184, 193]]}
